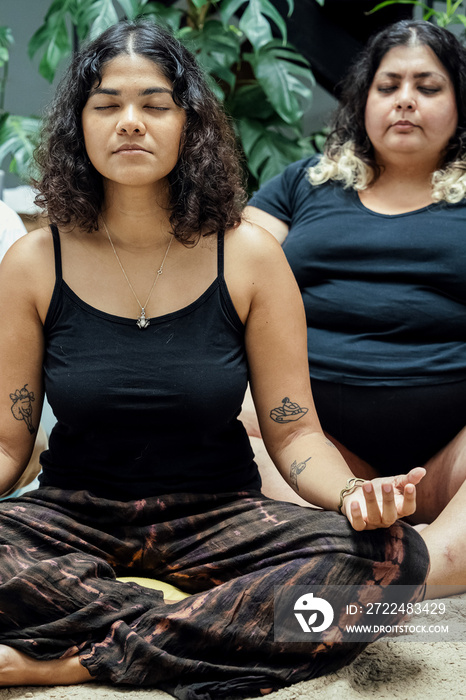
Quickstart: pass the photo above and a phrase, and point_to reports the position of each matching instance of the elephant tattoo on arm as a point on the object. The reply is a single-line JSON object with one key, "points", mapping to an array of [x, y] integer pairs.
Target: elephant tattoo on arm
{"points": [[22, 406]]}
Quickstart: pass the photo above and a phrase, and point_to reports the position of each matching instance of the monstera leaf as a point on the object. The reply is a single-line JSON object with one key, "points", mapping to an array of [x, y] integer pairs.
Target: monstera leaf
{"points": [[18, 138], [268, 150], [285, 77]]}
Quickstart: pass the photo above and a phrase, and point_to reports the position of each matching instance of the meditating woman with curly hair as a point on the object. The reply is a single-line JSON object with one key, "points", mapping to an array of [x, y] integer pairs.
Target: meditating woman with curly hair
{"points": [[142, 311]]}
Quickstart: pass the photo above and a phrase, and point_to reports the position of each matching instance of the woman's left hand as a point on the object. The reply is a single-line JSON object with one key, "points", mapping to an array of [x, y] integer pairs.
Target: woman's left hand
{"points": [[380, 502]]}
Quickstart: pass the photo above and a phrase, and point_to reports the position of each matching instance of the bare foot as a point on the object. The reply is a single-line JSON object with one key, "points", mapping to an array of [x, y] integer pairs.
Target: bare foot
{"points": [[18, 669]]}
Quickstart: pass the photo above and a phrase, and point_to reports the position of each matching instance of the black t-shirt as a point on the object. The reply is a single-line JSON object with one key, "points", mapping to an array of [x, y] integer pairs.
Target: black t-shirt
{"points": [[385, 295]]}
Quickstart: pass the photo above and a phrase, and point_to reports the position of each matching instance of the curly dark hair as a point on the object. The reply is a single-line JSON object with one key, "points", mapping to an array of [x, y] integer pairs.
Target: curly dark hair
{"points": [[349, 122], [206, 185]]}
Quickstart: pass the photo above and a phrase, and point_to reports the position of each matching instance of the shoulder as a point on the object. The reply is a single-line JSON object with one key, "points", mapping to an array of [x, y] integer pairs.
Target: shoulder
{"points": [[29, 265], [11, 228], [32, 249], [254, 261], [250, 245], [285, 193]]}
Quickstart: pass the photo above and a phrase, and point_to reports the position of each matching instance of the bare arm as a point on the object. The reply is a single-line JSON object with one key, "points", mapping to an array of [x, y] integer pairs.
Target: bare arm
{"points": [[276, 342], [21, 353], [277, 228]]}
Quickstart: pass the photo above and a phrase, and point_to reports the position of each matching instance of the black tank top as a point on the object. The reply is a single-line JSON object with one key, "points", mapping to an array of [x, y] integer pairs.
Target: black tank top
{"points": [[146, 412]]}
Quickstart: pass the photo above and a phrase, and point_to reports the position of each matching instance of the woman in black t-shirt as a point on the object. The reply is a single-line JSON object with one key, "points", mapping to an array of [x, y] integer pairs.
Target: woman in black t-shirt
{"points": [[374, 231]]}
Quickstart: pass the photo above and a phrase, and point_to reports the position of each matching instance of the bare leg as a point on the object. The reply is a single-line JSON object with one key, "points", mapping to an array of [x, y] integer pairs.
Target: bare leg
{"points": [[441, 502], [18, 669]]}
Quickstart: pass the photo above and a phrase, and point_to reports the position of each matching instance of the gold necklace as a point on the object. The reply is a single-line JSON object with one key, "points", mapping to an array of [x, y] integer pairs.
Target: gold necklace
{"points": [[141, 321]]}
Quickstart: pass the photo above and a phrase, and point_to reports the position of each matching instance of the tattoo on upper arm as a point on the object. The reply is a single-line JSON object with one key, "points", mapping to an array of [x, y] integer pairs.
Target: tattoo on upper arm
{"points": [[22, 406], [295, 469], [287, 412]]}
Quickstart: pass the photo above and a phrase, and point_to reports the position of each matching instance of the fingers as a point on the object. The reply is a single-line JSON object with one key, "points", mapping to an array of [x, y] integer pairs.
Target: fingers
{"points": [[409, 501], [389, 510], [389, 513], [380, 509], [412, 477], [356, 517]]}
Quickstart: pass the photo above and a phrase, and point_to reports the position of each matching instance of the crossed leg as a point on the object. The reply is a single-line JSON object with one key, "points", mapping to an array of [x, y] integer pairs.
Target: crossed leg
{"points": [[59, 599], [441, 503]]}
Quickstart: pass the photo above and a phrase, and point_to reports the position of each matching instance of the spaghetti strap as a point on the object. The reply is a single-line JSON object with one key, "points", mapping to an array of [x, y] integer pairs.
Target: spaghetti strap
{"points": [[220, 253], [57, 252]]}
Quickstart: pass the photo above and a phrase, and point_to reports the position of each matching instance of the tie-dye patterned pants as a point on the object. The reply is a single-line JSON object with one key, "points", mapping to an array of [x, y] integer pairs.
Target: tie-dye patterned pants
{"points": [[61, 550]]}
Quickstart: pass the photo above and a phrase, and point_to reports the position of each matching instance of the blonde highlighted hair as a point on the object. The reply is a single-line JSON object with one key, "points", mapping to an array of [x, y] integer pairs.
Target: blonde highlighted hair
{"points": [[448, 184]]}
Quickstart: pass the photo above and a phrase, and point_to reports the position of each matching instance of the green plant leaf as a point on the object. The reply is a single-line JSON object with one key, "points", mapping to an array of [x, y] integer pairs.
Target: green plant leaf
{"points": [[57, 47], [79, 14], [18, 139], [52, 38], [458, 19], [6, 37], [401, 2], [102, 15], [256, 26], [200, 3], [4, 56], [229, 7], [217, 49], [286, 83], [131, 8], [168, 16], [37, 40], [268, 152], [250, 99]]}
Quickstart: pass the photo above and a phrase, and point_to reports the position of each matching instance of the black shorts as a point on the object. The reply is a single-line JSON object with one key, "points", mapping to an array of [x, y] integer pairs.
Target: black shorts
{"points": [[392, 428]]}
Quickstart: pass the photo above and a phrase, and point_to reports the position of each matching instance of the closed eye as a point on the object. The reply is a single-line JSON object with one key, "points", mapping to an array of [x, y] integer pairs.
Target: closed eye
{"points": [[428, 90]]}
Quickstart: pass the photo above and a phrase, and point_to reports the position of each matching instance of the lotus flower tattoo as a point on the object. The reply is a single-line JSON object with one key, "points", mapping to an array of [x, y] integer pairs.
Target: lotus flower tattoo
{"points": [[22, 408]]}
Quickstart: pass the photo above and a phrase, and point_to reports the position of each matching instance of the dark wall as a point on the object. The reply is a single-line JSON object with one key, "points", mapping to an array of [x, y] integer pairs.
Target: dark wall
{"points": [[331, 36]]}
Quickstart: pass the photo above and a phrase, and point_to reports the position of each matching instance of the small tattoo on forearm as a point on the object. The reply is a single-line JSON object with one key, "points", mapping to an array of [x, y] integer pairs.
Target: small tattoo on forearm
{"points": [[287, 412], [295, 469], [22, 408]]}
